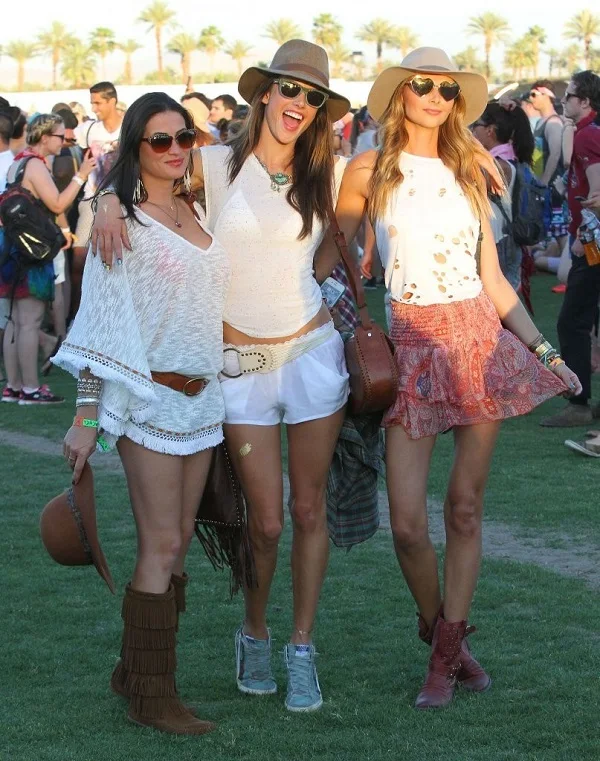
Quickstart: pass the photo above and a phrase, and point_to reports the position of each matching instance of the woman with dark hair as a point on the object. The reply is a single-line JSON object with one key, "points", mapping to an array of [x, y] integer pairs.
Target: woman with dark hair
{"points": [[146, 346], [507, 135], [269, 193], [459, 368]]}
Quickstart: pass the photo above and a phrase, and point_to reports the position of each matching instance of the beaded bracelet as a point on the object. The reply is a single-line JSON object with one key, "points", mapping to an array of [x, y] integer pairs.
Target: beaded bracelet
{"points": [[84, 422], [89, 383]]}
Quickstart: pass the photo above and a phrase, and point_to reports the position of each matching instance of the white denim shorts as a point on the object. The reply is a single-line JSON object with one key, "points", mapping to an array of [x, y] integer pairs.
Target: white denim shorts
{"points": [[313, 386]]}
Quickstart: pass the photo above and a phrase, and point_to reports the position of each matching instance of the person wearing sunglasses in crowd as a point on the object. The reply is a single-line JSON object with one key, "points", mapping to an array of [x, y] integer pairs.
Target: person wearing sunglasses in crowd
{"points": [[35, 286], [146, 346], [459, 368], [268, 195]]}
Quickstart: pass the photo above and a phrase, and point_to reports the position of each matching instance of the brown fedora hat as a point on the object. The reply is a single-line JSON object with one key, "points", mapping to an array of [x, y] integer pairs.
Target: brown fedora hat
{"points": [[68, 528], [301, 60], [473, 87]]}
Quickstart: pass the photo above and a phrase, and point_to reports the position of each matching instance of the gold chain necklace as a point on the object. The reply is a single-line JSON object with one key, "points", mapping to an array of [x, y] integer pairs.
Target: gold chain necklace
{"points": [[175, 219]]}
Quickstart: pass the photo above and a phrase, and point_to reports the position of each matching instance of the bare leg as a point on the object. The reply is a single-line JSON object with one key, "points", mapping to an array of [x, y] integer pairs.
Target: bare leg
{"points": [[407, 468], [463, 512], [311, 447], [29, 313], [260, 472], [58, 311], [79, 255]]}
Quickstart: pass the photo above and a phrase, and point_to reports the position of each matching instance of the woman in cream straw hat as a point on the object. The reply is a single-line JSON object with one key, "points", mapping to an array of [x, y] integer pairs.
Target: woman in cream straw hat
{"points": [[268, 196], [460, 367]]}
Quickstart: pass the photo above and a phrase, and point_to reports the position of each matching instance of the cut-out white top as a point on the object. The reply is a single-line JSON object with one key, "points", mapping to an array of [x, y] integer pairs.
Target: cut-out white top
{"points": [[427, 237], [160, 310], [273, 290]]}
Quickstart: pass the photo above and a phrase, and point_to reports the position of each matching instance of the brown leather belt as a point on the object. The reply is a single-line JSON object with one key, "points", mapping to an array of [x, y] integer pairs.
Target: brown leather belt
{"points": [[182, 383]]}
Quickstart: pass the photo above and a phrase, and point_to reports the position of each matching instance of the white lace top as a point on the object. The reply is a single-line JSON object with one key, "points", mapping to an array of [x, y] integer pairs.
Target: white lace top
{"points": [[427, 237], [273, 291], [161, 310]]}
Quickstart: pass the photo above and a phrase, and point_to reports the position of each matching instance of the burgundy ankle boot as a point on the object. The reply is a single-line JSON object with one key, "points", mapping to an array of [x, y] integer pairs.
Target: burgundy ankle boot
{"points": [[444, 664]]}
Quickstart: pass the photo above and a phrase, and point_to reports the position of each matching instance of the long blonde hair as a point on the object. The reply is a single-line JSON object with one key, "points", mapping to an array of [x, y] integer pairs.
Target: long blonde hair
{"points": [[457, 148]]}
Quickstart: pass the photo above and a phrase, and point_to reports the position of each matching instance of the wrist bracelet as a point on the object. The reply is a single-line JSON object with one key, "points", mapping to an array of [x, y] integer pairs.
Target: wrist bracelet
{"points": [[77, 179], [537, 342], [104, 192], [65, 230], [84, 422], [87, 401]]}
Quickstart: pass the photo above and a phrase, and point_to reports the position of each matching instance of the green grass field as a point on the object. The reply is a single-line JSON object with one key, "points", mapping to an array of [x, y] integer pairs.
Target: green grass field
{"points": [[538, 632]]}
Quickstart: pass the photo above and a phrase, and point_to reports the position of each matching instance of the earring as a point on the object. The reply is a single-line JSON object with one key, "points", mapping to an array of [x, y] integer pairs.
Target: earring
{"points": [[187, 181], [139, 193]]}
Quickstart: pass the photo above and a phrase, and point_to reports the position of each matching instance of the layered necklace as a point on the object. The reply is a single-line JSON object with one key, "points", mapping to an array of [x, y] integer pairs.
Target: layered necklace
{"points": [[278, 180], [174, 208]]}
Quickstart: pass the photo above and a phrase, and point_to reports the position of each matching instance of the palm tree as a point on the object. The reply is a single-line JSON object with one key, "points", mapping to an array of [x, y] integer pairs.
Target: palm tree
{"points": [[553, 60], [493, 29], [54, 42], [281, 30], [183, 45], [468, 59], [571, 56], [128, 47], [537, 36], [79, 65], [326, 30], [520, 56], [406, 40], [159, 17], [21, 51], [381, 32], [338, 55], [583, 27], [238, 50], [211, 41], [102, 42]]}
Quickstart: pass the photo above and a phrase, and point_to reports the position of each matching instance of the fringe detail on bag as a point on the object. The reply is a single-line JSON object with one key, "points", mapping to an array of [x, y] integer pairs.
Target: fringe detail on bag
{"points": [[156, 707], [179, 584], [149, 611], [150, 685], [141, 639], [229, 546], [147, 661]]}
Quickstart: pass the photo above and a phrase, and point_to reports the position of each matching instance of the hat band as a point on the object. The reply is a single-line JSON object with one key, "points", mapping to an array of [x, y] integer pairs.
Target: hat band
{"points": [[79, 523], [301, 67], [431, 68]]}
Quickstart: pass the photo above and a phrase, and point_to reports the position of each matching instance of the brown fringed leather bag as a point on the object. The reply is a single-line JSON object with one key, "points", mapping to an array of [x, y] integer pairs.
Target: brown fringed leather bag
{"points": [[369, 352], [221, 522]]}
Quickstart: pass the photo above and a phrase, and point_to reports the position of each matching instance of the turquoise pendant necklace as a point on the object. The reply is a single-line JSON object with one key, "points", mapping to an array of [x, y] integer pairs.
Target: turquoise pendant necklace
{"points": [[278, 180]]}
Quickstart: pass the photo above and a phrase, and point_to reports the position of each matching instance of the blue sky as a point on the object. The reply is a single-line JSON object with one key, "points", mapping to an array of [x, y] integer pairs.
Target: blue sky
{"points": [[443, 25]]}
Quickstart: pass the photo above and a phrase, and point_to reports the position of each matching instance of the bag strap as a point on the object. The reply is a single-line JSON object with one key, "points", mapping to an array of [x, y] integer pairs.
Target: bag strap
{"points": [[352, 271]]}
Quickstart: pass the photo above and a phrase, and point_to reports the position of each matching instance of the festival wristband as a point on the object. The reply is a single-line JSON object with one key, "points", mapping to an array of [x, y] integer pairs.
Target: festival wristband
{"points": [[103, 444], [77, 179], [84, 422]]}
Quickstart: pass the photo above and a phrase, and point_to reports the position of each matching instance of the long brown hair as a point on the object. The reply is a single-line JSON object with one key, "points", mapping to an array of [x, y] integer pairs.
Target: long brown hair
{"points": [[457, 148], [311, 192]]}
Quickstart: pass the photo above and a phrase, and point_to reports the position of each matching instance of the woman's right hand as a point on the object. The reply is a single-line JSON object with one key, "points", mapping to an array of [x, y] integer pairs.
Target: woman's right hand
{"points": [[109, 233], [78, 446], [87, 166]]}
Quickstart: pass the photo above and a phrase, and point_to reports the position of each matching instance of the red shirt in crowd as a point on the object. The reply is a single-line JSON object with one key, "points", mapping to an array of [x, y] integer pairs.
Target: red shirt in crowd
{"points": [[586, 153]]}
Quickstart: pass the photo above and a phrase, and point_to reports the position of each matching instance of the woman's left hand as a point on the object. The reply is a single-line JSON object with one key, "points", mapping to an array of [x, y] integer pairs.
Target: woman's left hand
{"points": [[68, 236], [569, 378]]}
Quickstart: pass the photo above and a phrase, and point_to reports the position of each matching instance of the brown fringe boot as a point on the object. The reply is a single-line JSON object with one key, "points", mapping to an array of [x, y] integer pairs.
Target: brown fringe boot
{"points": [[149, 663], [471, 675], [444, 664], [119, 674]]}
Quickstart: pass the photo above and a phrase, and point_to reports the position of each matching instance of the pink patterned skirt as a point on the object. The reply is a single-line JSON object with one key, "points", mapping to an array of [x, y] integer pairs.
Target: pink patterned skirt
{"points": [[459, 366]]}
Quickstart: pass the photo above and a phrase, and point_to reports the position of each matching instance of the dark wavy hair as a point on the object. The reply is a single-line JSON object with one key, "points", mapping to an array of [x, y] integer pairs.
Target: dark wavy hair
{"points": [[511, 126], [311, 192], [125, 172]]}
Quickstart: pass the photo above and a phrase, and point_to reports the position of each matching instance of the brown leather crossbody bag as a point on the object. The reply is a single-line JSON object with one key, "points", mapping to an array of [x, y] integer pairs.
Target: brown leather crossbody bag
{"points": [[369, 352]]}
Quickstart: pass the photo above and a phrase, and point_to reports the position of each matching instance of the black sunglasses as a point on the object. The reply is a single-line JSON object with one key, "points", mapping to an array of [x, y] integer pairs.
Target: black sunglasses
{"points": [[160, 142], [291, 90], [423, 85], [62, 138]]}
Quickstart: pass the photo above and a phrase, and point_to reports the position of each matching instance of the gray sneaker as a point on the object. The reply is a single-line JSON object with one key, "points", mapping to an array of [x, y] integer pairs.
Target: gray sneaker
{"points": [[303, 693], [253, 664]]}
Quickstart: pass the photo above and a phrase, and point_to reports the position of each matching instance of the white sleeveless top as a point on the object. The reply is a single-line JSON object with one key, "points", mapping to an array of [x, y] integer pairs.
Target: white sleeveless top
{"points": [[273, 292], [427, 237]]}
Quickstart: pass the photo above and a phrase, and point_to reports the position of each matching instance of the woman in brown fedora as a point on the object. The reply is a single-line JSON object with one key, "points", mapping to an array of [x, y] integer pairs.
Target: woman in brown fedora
{"points": [[460, 331], [146, 348], [268, 196]]}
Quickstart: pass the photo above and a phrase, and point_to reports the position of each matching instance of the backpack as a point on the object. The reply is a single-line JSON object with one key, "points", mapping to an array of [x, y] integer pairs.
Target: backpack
{"points": [[530, 207], [35, 237]]}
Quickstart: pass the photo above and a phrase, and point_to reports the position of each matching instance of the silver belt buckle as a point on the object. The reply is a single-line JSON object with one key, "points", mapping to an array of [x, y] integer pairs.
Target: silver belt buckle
{"points": [[237, 351]]}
